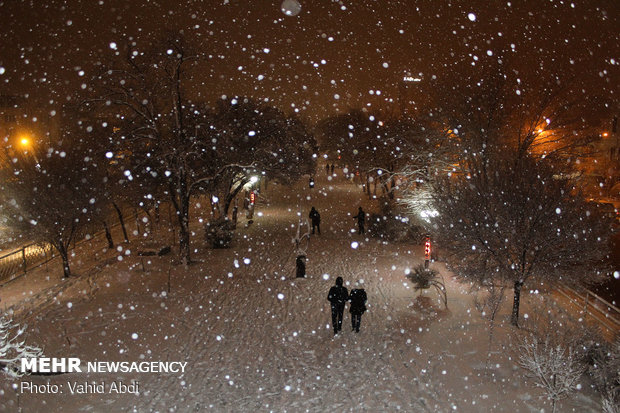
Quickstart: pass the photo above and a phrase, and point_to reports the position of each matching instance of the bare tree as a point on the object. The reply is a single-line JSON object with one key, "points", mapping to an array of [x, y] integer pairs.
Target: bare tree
{"points": [[508, 211], [555, 369], [144, 96], [52, 194], [170, 140], [519, 222], [248, 138]]}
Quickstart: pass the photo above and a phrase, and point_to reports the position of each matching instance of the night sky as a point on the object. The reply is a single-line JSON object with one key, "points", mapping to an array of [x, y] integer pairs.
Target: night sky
{"points": [[332, 56]]}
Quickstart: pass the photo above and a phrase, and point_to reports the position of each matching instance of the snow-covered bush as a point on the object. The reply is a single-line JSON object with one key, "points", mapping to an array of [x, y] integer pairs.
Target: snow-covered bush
{"points": [[12, 347], [555, 367], [219, 232], [603, 366]]}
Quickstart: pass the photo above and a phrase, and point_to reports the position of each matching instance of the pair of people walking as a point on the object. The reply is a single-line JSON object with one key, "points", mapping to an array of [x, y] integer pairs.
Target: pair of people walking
{"points": [[338, 296], [327, 169]]}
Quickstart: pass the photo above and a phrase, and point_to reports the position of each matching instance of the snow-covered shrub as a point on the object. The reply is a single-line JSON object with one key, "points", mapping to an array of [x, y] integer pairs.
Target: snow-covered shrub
{"points": [[424, 278], [12, 347], [603, 366], [555, 367], [219, 232]]}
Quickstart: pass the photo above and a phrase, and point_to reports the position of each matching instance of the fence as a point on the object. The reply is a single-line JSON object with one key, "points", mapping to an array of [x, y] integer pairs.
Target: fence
{"points": [[17, 263], [599, 309]]}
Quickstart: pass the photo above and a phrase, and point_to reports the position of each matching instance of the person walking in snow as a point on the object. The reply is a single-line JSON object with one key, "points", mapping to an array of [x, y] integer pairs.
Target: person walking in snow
{"points": [[327, 169], [358, 299], [332, 169], [361, 220], [315, 218], [338, 296]]}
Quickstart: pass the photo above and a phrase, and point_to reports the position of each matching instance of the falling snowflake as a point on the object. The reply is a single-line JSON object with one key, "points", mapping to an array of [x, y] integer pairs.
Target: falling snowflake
{"points": [[290, 7]]}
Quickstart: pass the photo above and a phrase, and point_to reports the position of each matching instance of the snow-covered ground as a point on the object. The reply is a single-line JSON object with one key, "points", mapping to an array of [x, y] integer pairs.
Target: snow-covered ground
{"points": [[257, 339]]}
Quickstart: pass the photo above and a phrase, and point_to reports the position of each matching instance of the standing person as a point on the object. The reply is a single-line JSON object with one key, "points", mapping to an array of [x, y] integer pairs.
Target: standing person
{"points": [[338, 296], [327, 169], [315, 217], [332, 169], [357, 307], [361, 220]]}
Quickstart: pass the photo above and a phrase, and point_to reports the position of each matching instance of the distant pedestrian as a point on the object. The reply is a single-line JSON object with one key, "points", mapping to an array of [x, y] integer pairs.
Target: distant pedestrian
{"points": [[315, 218], [235, 212], [327, 169], [332, 169], [361, 220], [357, 307], [338, 296]]}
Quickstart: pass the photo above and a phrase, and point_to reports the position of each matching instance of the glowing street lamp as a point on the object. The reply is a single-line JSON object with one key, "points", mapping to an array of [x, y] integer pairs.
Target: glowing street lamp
{"points": [[27, 145]]}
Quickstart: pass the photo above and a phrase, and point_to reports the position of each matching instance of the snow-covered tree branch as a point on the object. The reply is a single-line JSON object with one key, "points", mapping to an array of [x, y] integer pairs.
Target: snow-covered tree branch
{"points": [[13, 347], [555, 369]]}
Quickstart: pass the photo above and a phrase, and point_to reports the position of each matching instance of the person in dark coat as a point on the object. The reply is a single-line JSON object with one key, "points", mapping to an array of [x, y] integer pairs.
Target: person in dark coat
{"points": [[338, 296], [332, 169], [357, 307], [327, 169], [361, 220], [315, 218]]}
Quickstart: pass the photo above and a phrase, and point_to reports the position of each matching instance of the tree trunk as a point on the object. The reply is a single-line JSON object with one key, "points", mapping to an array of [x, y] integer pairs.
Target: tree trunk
{"points": [[108, 235], [184, 231], [231, 196], [138, 230], [157, 212], [514, 318], [64, 254], [386, 190], [121, 220], [180, 199]]}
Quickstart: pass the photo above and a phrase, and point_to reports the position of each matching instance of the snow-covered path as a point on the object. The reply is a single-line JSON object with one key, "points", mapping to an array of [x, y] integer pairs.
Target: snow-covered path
{"points": [[257, 339]]}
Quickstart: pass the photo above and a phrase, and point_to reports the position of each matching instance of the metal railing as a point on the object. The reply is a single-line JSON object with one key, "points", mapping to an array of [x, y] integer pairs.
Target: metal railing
{"points": [[594, 306], [17, 263]]}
